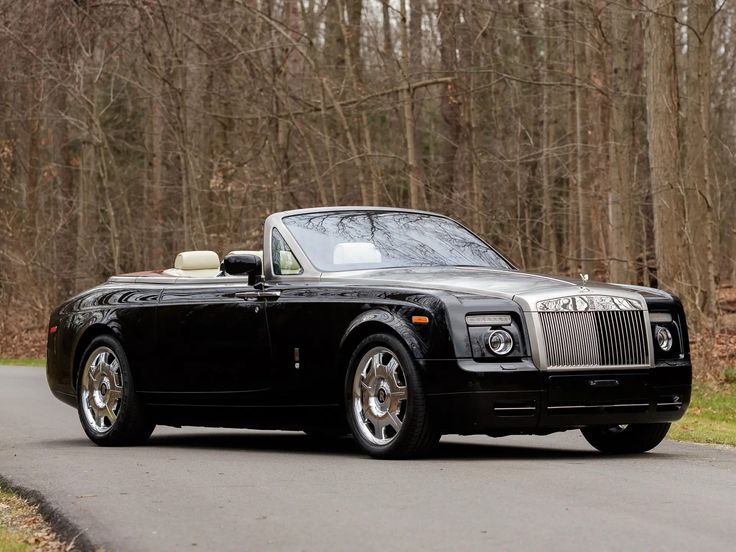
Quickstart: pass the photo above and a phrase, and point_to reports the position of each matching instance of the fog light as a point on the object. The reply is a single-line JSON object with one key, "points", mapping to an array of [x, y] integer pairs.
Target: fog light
{"points": [[664, 338], [500, 342]]}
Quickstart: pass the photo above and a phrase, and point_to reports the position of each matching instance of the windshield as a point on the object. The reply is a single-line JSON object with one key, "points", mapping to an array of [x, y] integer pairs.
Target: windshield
{"points": [[359, 240]]}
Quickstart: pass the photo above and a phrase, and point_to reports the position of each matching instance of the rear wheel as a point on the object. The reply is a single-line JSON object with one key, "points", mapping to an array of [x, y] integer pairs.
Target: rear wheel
{"points": [[626, 439], [110, 412], [386, 406]]}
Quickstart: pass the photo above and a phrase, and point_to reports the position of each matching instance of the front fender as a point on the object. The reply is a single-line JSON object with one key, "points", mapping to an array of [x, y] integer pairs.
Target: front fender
{"points": [[372, 320]]}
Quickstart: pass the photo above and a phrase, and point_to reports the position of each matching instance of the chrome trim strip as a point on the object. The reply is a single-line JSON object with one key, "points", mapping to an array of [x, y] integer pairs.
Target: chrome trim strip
{"points": [[180, 280], [598, 406], [596, 368]]}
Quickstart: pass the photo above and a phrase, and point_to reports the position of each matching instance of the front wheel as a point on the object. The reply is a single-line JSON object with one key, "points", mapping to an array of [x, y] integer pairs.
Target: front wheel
{"points": [[385, 401], [110, 412], [626, 439]]}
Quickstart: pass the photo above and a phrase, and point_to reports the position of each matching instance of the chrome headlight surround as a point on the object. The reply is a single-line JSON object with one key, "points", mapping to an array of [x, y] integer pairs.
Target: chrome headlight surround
{"points": [[500, 342], [495, 336], [664, 338]]}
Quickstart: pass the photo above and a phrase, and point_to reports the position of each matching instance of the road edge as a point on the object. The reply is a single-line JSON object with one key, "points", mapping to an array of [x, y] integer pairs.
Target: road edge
{"points": [[62, 526], [719, 446]]}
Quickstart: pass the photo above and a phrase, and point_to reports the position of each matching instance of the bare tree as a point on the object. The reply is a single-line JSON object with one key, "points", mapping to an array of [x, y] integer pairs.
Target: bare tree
{"points": [[132, 130]]}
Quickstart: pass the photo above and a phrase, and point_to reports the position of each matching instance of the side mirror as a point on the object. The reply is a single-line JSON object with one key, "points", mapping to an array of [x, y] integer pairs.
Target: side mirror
{"points": [[236, 265]]}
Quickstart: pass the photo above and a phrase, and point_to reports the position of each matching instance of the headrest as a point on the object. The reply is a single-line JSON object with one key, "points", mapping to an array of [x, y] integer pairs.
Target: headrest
{"points": [[356, 253], [197, 260]]}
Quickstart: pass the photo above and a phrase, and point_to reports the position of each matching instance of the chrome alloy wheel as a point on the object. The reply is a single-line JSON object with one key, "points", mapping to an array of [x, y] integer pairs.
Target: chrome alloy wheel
{"points": [[379, 396], [102, 389]]}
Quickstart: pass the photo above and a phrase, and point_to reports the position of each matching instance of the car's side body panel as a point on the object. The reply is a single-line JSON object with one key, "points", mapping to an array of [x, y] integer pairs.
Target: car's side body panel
{"points": [[211, 345], [203, 345], [202, 356], [127, 312]]}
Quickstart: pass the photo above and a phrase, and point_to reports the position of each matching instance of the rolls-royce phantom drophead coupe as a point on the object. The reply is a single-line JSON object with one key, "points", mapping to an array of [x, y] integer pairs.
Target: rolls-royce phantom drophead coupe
{"points": [[396, 326]]}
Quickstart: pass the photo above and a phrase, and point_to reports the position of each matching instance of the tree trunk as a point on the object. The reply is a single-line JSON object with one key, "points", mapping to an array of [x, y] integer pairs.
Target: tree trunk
{"points": [[449, 182], [582, 184], [154, 151], [417, 197], [664, 144], [700, 234], [623, 243], [549, 238]]}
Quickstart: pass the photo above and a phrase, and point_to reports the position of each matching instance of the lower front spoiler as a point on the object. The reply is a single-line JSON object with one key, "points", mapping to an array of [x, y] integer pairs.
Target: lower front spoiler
{"points": [[527, 400], [528, 412]]}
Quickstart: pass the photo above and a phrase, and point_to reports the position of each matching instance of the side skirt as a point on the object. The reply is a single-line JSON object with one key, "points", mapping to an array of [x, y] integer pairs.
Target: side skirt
{"points": [[294, 418]]}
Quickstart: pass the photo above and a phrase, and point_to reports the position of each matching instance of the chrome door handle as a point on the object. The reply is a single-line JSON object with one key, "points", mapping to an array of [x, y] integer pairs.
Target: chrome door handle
{"points": [[248, 295]]}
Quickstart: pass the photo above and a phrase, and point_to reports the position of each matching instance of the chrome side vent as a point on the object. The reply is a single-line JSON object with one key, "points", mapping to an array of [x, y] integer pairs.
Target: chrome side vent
{"points": [[515, 408], [595, 338]]}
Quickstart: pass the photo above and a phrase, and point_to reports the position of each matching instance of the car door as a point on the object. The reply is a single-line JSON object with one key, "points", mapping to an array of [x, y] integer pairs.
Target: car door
{"points": [[306, 325], [213, 344]]}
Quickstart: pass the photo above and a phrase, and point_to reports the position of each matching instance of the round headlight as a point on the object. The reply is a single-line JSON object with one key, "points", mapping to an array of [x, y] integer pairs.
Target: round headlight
{"points": [[664, 338], [500, 342]]}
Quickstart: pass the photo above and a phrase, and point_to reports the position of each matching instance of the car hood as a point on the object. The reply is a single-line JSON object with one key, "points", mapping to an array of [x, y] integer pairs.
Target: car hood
{"points": [[522, 287]]}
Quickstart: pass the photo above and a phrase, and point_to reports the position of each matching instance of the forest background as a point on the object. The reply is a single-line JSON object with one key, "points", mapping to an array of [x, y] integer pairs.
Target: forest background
{"points": [[589, 136]]}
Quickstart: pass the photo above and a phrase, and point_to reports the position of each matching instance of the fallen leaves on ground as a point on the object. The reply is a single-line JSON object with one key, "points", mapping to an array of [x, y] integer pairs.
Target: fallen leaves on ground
{"points": [[23, 528]]}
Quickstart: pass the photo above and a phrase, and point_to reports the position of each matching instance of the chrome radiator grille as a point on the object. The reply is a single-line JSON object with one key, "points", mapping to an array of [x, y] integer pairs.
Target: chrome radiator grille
{"points": [[595, 338]]}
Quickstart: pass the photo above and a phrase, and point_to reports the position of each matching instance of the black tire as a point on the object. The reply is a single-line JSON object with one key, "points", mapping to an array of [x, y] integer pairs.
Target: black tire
{"points": [[630, 439], [417, 436], [131, 425]]}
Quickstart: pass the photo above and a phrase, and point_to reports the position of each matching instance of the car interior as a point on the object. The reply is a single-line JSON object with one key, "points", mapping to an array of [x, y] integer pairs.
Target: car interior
{"points": [[207, 264]]}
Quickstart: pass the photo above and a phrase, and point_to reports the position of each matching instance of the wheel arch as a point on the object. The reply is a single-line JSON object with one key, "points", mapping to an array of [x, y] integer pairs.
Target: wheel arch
{"points": [[86, 337], [370, 323], [422, 434]]}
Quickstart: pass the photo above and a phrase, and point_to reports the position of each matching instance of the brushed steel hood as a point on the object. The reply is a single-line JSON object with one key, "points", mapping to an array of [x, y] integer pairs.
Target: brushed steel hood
{"points": [[524, 288]]}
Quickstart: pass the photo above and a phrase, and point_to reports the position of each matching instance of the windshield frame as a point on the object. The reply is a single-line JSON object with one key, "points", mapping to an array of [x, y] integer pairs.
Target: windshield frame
{"points": [[276, 221]]}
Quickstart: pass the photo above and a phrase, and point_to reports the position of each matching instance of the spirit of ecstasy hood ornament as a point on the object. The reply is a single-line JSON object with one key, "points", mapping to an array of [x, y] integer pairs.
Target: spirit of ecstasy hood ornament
{"points": [[584, 278]]}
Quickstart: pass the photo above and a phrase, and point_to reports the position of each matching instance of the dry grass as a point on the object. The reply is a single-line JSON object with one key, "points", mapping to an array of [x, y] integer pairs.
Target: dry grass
{"points": [[714, 354], [714, 357], [23, 529], [22, 338]]}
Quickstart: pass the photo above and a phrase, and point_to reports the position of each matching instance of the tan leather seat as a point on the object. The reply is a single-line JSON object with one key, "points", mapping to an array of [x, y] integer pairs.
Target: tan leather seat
{"points": [[195, 264]]}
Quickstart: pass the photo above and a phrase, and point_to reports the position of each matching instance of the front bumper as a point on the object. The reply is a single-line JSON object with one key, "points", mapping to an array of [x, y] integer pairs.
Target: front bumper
{"points": [[469, 397]]}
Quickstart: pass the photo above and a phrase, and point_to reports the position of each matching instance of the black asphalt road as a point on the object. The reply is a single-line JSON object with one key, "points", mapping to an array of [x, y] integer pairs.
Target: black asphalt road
{"points": [[196, 489]]}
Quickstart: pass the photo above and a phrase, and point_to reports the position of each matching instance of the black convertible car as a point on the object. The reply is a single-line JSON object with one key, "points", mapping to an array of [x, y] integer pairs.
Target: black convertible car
{"points": [[397, 326]]}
